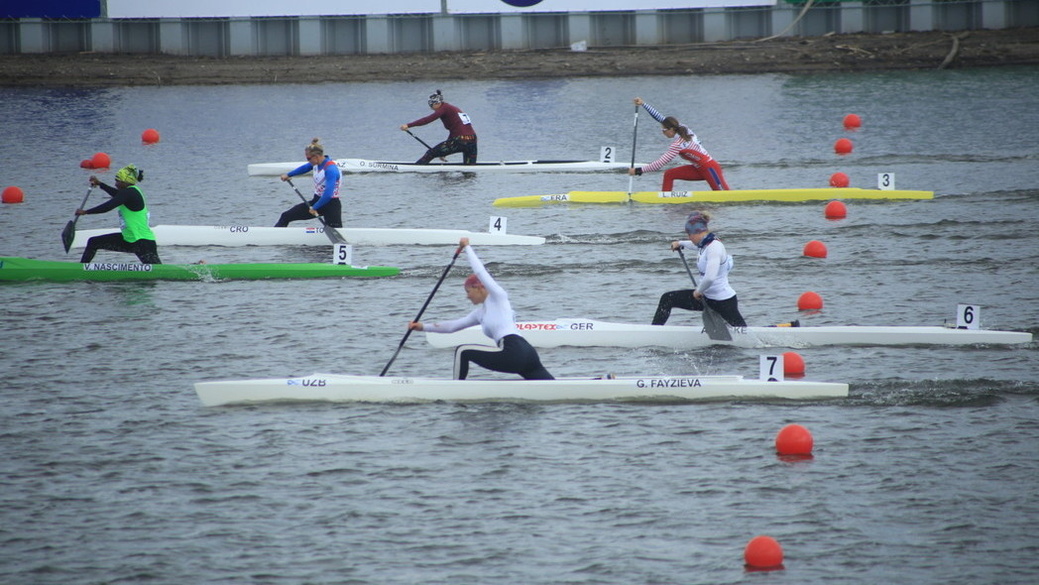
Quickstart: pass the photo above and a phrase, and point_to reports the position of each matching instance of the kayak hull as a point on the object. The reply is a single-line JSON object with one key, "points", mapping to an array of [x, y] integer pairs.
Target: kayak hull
{"points": [[734, 196], [347, 388], [591, 333], [24, 269], [360, 165], [239, 235]]}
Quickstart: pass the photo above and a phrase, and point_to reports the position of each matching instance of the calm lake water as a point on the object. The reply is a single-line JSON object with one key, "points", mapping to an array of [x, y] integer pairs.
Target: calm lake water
{"points": [[114, 473]]}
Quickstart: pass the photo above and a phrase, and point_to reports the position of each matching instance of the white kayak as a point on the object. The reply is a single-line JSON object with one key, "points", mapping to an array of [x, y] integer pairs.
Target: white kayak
{"points": [[240, 235], [590, 333], [360, 165], [397, 389]]}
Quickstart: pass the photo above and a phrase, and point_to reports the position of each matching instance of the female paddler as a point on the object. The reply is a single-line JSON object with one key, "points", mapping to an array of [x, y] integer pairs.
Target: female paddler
{"points": [[460, 134], [512, 354], [714, 265], [135, 236], [327, 178], [684, 144]]}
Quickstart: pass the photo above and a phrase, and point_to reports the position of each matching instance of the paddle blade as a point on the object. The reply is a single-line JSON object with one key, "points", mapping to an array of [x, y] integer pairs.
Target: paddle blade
{"points": [[333, 234], [68, 235], [714, 325]]}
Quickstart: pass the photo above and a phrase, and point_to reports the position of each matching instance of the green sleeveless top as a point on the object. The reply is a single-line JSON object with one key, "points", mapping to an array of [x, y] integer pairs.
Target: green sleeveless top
{"points": [[135, 223]]}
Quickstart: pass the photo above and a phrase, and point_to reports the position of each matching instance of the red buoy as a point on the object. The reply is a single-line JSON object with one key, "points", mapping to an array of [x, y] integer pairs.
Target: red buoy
{"points": [[835, 210], [793, 364], [763, 553], [809, 301], [13, 194], [843, 146], [101, 161], [794, 440], [86, 164], [150, 136], [815, 249], [839, 180], [852, 122]]}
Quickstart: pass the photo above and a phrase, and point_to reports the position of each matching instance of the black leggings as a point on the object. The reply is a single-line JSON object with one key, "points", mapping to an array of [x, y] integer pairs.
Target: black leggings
{"points": [[466, 146], [683, 299], [514, 355], [332, 212], [146, 250]]}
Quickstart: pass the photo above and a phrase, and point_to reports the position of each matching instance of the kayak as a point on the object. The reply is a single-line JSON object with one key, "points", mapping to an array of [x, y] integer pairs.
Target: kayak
{"points": [[734, 196], [590, 333], [360, 165], [347, 388], [12, 269], [240, 235]]}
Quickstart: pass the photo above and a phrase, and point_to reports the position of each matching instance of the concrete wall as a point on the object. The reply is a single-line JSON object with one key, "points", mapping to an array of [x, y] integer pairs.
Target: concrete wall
{"points": [[338, 35]]}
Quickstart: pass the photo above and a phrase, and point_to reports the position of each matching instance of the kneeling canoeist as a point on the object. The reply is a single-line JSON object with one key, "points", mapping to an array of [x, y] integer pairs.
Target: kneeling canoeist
{"points": [[135, 237], [460, 134], [714, 265], [513, 354], [327, 178], [684, 144]]}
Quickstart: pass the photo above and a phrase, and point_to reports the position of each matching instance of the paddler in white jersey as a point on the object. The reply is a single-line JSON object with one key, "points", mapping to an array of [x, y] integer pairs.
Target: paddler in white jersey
{"points": [[513, 354], [714, 264]]}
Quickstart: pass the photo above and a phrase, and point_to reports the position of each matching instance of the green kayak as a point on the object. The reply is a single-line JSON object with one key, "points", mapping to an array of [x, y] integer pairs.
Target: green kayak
{"points": [[26, 269]]}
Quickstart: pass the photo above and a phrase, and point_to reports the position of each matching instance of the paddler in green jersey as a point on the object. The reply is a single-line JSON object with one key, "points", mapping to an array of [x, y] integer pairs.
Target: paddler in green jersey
{"points": [[136, 236]]}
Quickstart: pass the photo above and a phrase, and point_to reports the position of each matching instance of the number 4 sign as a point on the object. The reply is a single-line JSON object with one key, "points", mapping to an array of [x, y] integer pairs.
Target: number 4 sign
{"points": [[499, 225]]}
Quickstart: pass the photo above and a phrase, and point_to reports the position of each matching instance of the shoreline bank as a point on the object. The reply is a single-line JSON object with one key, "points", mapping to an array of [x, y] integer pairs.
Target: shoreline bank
{"points": [[795, 55]]}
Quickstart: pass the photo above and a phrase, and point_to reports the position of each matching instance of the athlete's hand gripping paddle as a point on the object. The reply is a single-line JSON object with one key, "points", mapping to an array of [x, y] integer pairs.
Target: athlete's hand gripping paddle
{"points": [[713, 323]]}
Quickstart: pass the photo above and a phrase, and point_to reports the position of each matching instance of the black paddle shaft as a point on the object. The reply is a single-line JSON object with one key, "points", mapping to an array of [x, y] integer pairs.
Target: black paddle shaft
{"points": [[333, 234], [422, 310], [428, 147], [714, 324]]}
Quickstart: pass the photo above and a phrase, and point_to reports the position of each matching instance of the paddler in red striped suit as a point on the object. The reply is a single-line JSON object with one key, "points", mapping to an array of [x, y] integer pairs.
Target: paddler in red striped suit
{"points": [[685, 144]]}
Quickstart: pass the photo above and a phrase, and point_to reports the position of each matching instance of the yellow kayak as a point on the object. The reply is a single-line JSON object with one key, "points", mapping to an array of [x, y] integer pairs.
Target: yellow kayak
{"points": [[734, 196]]}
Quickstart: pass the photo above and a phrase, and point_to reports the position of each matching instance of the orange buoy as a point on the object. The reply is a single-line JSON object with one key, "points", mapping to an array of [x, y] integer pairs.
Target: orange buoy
{"points": [[809, 301], [843, 146], [839, 180], [815, 249], [793, 364], [763, 553], [150, 136], [794, 440], [101, 161], [852, 122], [86, 164], [835, 210], [13, 194]]}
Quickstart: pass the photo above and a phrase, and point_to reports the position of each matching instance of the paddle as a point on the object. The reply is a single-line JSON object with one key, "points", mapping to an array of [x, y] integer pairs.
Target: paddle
{"points": [[713, 323], [634, 139], [68, 235], [422, 310], [428, 147], [333, 234]]}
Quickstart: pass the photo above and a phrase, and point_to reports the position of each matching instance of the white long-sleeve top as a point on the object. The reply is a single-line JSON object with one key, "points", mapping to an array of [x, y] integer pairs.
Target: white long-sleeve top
{"points": [[495, 315], [713, 263]]}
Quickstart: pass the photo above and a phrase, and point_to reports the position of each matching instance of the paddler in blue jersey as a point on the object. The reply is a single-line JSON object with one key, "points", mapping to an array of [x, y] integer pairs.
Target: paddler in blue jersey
{"points": [[327, 178], [136, 236], [512, 353]]}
